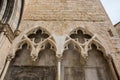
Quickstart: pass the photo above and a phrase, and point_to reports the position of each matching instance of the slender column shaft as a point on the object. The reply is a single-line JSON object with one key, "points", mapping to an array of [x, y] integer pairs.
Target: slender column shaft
{"points": [[5, 70], [59, 70]]}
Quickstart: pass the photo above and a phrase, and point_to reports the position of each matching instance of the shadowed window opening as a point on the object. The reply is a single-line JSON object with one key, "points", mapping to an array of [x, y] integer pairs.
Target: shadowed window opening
{"points": [[97, 65], [71, 67], [22, 66]]}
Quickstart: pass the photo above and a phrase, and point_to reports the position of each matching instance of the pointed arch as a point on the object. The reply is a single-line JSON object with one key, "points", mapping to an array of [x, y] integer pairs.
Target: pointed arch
{"points": [[90, 66], [85, 31], [92, 38], [72, 62], [29, 37], [100, 47], [27, 53], [99, 64]]}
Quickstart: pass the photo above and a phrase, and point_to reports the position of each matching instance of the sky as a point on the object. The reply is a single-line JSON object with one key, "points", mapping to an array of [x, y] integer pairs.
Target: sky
{"points": [[112, 8]]}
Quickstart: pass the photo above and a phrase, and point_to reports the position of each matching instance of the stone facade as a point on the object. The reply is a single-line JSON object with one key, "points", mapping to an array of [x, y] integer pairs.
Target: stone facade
{"points": [[59, 19], [117, 26]]}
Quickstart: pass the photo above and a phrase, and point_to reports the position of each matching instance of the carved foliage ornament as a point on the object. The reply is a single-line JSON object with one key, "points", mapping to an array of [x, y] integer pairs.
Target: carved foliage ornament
{"points": [[38, 38]]}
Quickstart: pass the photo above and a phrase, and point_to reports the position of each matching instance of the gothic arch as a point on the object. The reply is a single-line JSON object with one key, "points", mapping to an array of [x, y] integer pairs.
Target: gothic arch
{"points": [[99, 65], [75, 45], [71, 44], [35, 42], [85, 31], [92, 38], [29, 37], [86, 46], [41, 47], [99, 47]]}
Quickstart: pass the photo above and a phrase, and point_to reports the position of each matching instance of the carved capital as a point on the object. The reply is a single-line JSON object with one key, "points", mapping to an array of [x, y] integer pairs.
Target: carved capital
{"points": [[59, 57], [34, 55], [109, 57], [9, 57], [17, 32]]}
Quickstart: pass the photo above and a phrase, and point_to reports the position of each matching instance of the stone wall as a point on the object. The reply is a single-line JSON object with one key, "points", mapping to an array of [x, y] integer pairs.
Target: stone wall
{"points": [[60, 17], [117, 26], [64, 10]]}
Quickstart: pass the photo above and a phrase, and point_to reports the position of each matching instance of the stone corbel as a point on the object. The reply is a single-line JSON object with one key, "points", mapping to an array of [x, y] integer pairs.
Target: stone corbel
{"points": [[33, 54], [8, 32], [108, 57], [84, 57], [17, 33]]}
